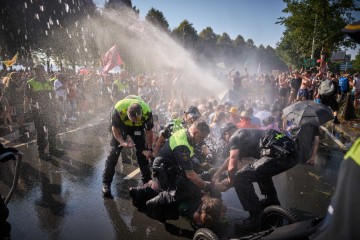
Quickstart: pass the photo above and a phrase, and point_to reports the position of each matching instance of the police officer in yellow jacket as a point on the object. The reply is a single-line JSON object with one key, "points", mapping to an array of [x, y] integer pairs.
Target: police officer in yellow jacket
{"points": [[130, 117], [40, 98]]}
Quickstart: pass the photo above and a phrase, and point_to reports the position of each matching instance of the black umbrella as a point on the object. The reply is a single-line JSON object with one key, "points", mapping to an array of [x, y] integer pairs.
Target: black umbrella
{"points": [[353, 31], [308, 113]]}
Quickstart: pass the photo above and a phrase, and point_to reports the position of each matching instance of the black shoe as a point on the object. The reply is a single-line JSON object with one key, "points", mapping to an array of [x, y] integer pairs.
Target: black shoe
{"points": [[264, 203], [43, 156], [57, 152], [106, 190], [336, 120]]}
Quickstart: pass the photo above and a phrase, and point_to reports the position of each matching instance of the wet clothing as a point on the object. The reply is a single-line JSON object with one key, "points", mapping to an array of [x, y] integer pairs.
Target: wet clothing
{"points": [[274, 153], [43, 108], [136, 131], [178, 195]]}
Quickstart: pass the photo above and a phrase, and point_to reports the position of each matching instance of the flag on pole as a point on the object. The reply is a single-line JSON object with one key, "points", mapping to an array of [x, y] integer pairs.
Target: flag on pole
{"points": [[111, 59], [11, 62]]}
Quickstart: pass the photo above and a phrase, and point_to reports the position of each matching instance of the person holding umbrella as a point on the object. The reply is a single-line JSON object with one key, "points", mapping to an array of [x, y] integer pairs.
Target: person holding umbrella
{"points": [[305, 118]]}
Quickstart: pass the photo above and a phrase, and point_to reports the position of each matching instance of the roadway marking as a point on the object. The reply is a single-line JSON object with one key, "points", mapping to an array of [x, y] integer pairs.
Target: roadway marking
{"points": [[338, 142], [132, 174]]}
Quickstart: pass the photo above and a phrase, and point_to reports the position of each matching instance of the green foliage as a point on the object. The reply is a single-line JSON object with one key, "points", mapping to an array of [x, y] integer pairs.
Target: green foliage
{"points": [[157, 18], [314, 26]]}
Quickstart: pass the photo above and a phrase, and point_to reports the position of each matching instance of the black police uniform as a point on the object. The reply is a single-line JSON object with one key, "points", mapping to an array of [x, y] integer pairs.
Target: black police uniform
{"points": [[43, 108], [136, 132], [178, 195], [274, 153]]}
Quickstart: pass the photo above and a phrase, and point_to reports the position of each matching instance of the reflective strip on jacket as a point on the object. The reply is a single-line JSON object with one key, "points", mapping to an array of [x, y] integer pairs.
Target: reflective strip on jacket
{"points": [[123, 105], [179, 138], [37, 86]]}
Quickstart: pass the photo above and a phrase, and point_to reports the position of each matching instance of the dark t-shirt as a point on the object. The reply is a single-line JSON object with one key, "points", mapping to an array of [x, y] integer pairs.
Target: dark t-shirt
{"points": [[295, 83], [247, 141]]}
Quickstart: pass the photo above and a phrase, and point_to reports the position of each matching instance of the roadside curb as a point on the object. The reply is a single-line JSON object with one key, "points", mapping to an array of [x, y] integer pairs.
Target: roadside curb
{"points": [[343, 130], [29, 126]]}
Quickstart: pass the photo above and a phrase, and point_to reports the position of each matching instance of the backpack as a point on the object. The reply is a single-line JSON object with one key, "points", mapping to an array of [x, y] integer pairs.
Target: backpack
{"points": [[326, 88], [344, 84]]}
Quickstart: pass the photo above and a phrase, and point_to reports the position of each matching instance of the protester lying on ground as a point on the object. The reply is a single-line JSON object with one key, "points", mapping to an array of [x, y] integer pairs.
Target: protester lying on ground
{"points": [[204, 211]]}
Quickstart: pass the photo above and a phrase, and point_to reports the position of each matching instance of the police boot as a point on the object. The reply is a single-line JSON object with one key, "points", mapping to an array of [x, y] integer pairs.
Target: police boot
{"points": [[56, 152], [43, 156], [249, 224], [266, 202], [106, 190]]}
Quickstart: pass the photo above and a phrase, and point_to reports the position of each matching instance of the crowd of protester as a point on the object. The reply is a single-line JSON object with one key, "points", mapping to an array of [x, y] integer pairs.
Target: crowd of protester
{"points": [[261, 97]]}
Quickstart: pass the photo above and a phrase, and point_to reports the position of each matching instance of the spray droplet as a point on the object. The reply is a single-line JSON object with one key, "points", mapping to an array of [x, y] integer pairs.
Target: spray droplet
{"points": [[67, 7], [50, 96], [25, 37], [57, 22], [25, 4], [41, 8], [46, 32]]}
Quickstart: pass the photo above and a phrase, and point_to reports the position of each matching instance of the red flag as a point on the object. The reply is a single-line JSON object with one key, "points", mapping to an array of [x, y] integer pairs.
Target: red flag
{"points": [[111, 59]]}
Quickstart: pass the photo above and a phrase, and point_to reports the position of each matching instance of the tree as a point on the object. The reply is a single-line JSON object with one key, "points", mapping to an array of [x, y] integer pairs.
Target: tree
{"points": [[313, 26], [186, 34], [157, 19]]}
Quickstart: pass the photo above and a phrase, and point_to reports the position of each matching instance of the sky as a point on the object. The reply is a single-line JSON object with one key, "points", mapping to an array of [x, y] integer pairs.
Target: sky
{"points": [[252, 19]]}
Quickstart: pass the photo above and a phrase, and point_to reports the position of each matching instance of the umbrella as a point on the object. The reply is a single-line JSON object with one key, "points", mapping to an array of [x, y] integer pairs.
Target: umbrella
{"points": [[308, 113], [229, 95], [353, 31]]}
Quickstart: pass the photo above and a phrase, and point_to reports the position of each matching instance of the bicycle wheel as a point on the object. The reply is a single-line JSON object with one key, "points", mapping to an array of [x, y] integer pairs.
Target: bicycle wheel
{"points": [[205, 234], [276, 216]]}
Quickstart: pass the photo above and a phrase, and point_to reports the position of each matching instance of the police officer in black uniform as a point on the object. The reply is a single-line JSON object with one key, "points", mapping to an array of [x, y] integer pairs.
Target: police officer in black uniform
{"points": [[273, 152], [130, 117], [40, 98]]}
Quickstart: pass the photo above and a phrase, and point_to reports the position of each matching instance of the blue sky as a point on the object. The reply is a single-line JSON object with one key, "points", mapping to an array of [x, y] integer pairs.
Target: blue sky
{"points": [[252, 19]]}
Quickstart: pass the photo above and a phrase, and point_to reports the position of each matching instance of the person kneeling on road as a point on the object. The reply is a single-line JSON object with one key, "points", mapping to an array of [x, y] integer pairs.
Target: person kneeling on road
{"points": [[177, 186], [273, 152]]}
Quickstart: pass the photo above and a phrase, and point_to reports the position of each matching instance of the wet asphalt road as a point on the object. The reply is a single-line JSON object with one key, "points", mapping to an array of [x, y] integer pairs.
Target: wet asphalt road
{"points": [[61, 199]]}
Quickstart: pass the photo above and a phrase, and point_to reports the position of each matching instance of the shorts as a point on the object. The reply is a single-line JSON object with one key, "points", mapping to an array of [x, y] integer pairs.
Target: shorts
{"points": [[303, 93]]}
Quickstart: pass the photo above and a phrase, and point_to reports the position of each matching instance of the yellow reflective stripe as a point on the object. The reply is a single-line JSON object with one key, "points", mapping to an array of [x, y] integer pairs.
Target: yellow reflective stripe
{"points": [[354, 152]]}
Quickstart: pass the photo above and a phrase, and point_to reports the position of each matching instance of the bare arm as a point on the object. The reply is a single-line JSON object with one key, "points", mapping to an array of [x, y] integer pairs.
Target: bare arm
{"points": [[196, 179], [221, 169], [158, 145], [311, 160]]}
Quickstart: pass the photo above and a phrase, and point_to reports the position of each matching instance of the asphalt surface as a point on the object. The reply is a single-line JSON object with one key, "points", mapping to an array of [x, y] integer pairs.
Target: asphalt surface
{"points": [[61, 199]]}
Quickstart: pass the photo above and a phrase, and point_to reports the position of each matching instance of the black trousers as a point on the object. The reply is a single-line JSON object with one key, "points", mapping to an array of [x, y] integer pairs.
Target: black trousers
{"points": [[45, 125], [114, 154], [261, 171]]}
